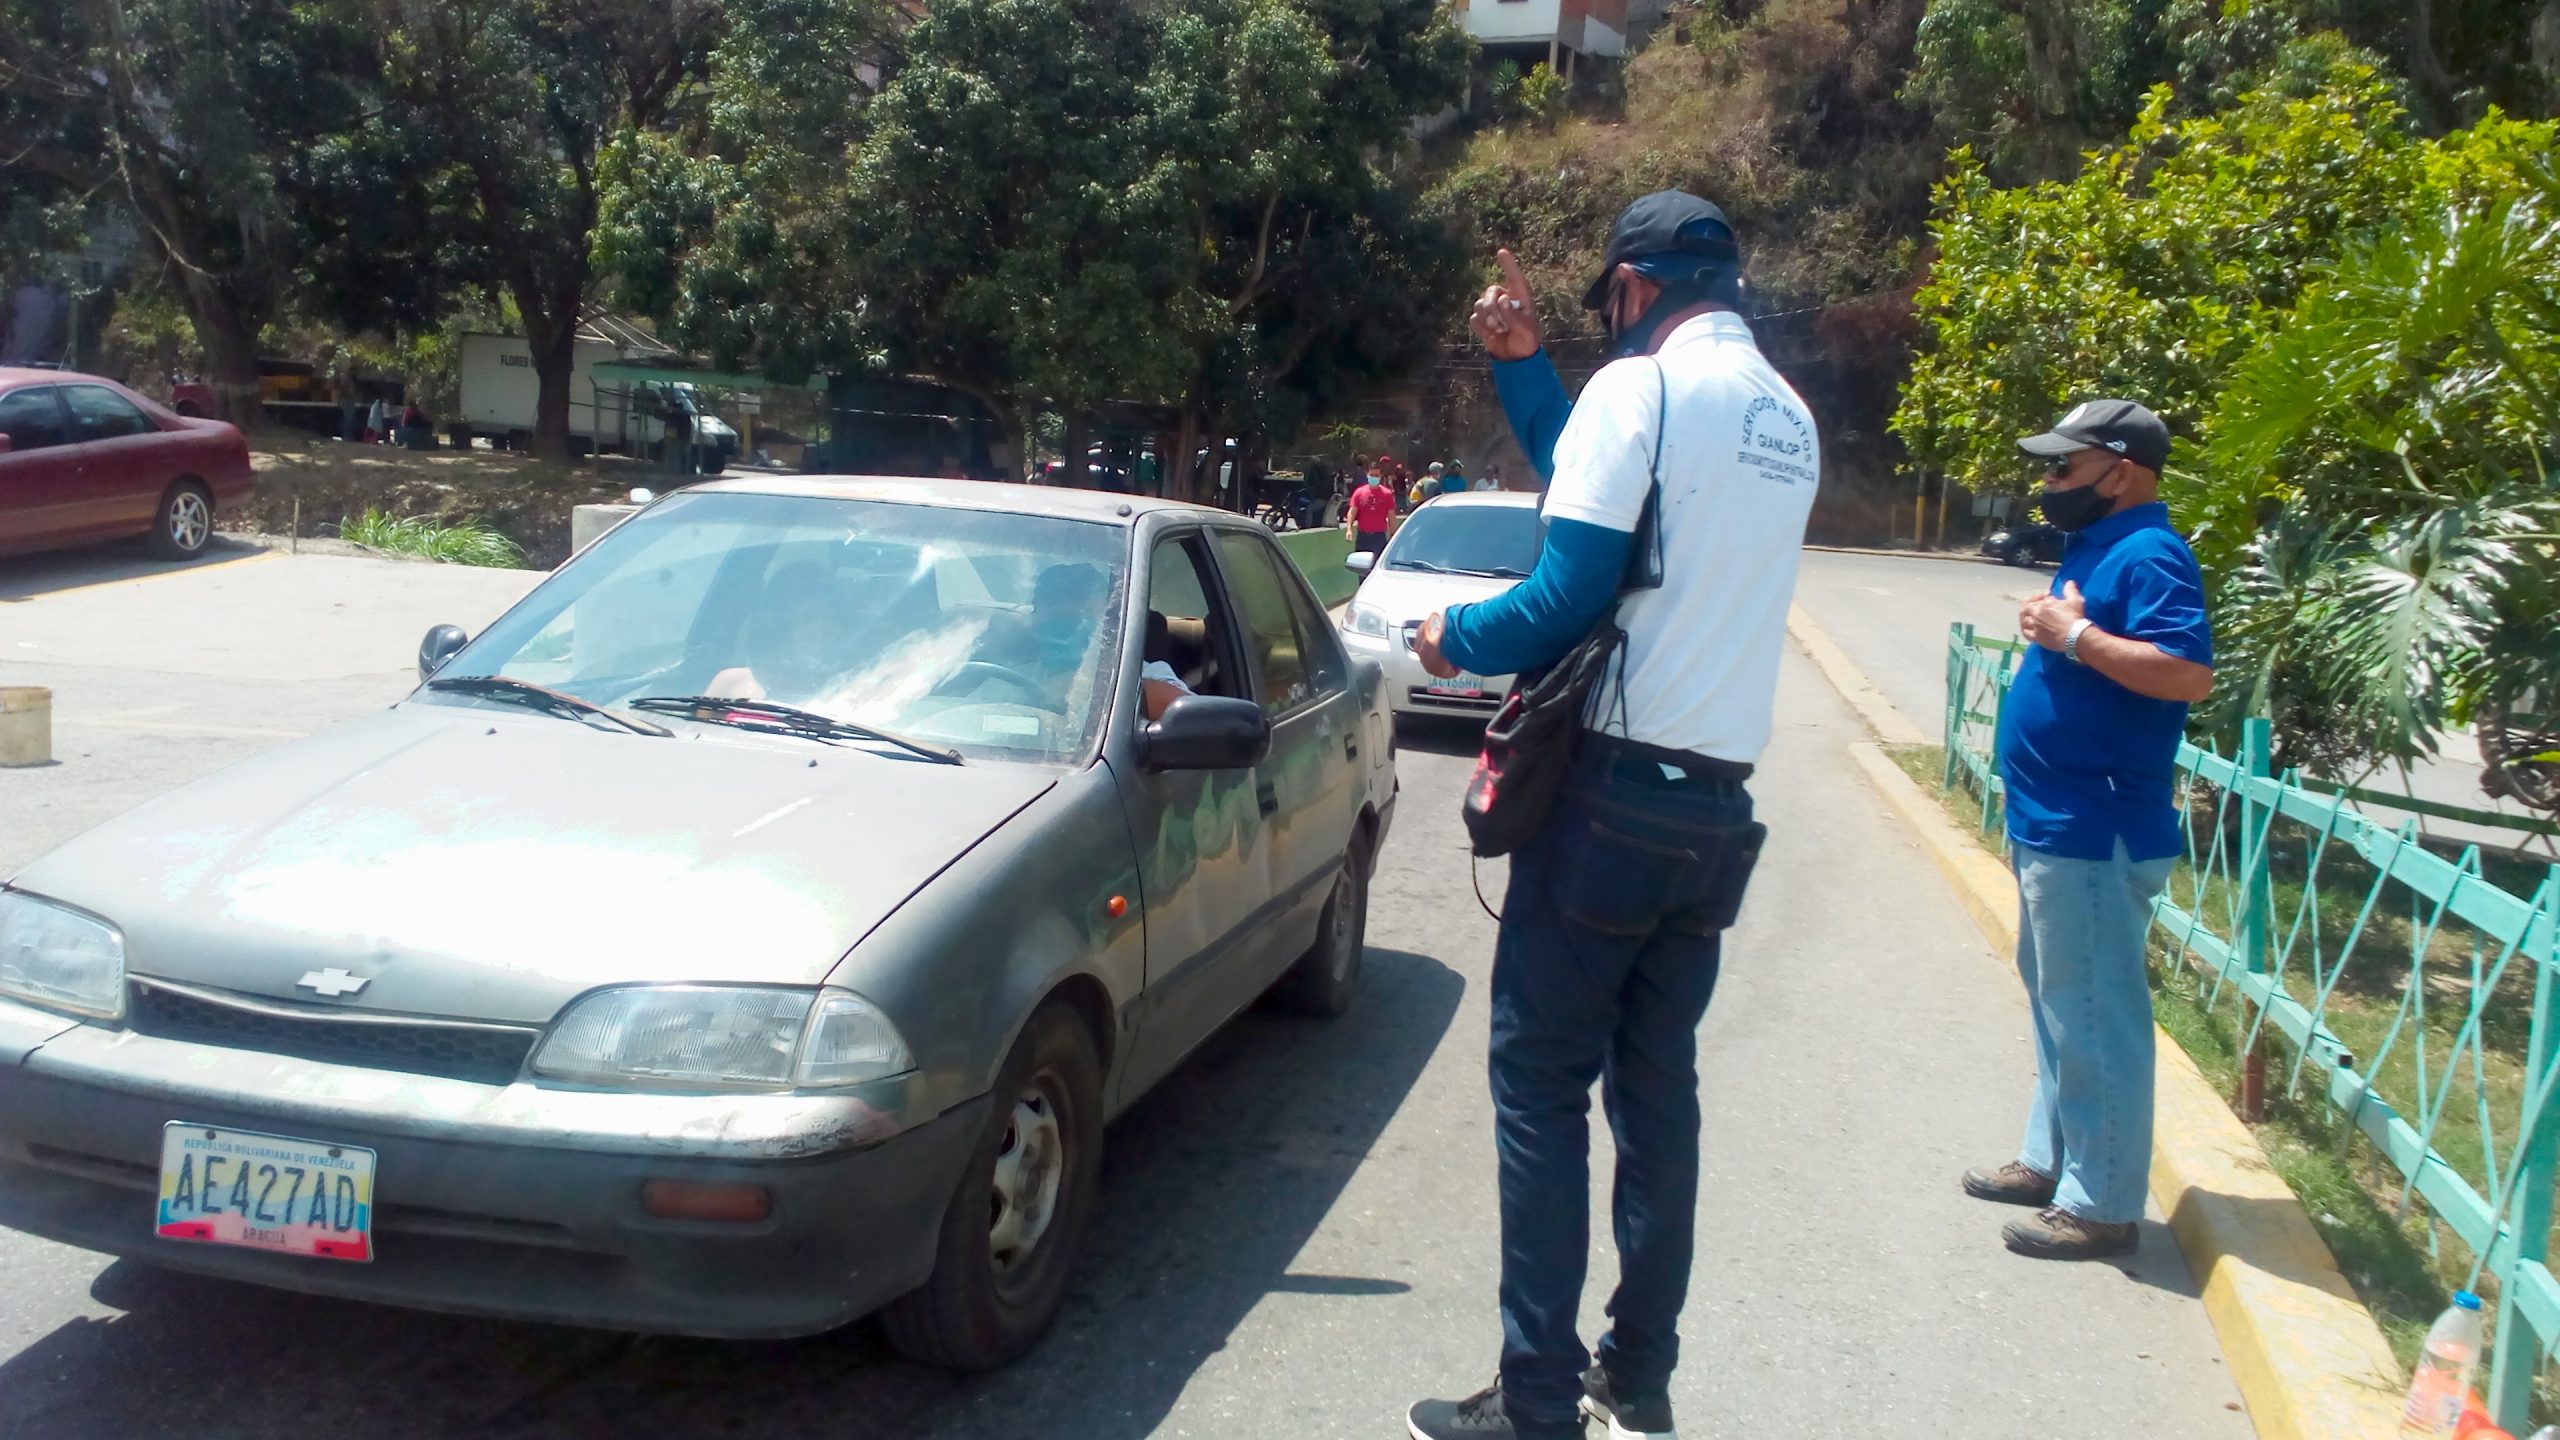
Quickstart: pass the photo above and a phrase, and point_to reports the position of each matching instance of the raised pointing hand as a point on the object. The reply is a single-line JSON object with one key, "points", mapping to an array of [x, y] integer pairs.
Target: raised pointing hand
{"points": [[1505, 318]]}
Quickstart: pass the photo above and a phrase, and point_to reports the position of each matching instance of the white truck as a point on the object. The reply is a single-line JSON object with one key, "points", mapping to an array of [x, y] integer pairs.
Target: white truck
{"points": [[499, 390]]}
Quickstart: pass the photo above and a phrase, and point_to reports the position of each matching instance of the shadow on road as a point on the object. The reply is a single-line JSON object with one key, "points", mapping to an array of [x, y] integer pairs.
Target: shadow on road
{"points": [[1211, 1186], [1440, 735], [28, 577]]}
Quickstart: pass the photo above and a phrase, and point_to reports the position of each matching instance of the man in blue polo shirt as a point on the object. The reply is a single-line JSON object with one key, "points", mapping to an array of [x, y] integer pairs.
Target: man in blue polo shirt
{"points": [[2088, 750]]}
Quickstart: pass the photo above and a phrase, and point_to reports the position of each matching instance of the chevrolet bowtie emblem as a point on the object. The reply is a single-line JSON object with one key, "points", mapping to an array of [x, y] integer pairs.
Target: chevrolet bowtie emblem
{"points": [[333, 982]]}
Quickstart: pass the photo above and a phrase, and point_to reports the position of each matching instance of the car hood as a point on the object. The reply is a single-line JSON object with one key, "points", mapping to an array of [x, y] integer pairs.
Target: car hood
{"points": [[1403, 595], [476, 863]]}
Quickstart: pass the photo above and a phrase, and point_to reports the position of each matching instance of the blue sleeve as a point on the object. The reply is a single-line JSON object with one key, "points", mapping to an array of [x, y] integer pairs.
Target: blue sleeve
{"points": [[1533, 400], [2164, 604], [1536, 621]]}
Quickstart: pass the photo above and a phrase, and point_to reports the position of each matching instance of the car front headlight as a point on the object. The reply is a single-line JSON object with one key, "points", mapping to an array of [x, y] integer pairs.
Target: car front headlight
{"points": [[1365, 620], [747, 1036], [58, 958]]}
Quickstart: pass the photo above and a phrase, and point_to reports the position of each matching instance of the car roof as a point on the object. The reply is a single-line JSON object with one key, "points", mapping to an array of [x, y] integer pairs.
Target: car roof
{"points": [[23, 374], [1482, 497], [1102, 506]]}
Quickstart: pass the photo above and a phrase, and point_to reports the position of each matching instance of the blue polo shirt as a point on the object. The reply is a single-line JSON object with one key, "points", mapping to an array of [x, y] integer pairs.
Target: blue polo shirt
{"points": [[2086, 761]]}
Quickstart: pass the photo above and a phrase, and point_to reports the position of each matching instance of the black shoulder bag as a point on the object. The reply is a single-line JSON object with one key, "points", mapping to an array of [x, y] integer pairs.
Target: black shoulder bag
{"points": [[1529, 744]]}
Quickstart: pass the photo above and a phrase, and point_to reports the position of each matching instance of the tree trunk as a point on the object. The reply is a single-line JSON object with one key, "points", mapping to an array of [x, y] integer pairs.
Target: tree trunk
{"points": [[1180, 477], [1075, 432], [230, 340], [552, 335], [2432, 83]]}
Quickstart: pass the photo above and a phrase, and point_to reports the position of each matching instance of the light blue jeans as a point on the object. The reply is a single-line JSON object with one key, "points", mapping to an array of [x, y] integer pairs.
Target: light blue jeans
{"points": [[2081, 925]]}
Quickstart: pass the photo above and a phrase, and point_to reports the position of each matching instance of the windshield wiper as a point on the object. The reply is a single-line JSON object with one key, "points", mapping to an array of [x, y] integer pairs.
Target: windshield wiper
{"points": [[1421, 565], [784, 720], [543, 697]]}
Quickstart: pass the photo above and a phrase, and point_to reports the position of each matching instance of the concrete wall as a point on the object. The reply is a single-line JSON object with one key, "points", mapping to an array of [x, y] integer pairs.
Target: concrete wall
{"points": [[1512, 20]]}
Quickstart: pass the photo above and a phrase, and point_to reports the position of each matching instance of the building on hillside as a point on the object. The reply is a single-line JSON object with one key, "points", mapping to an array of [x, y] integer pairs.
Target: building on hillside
{"points": [[1562, 29]]}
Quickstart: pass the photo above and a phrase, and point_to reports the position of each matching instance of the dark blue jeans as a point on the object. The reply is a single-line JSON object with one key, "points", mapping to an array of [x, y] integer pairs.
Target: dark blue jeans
{"points": [[1608, 956]]}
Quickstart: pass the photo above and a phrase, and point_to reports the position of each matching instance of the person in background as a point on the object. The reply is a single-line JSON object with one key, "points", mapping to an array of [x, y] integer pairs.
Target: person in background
{"points": [[1612, 926], [1453, 481], [1372, 514], [377, 422], [1490, 480], [1425, 487], [2088, 752]]}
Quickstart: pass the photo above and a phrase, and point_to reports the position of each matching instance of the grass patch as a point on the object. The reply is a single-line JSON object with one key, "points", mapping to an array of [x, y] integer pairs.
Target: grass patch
{"points": [[463, 542]]}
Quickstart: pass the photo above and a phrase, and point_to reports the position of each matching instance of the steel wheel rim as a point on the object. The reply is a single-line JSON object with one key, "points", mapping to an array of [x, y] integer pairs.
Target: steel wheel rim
{"points": [[1030, 1176], [1348, 902], [188, 522]]}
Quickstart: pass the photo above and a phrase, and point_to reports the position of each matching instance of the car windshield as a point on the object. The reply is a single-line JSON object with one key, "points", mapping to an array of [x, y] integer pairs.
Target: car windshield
{"points": [[1499, 540], [986, 632]]}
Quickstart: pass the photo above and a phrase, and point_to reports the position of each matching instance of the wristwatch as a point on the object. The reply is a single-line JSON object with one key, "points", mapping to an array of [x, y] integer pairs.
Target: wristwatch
{"points": [[2071, 640]]}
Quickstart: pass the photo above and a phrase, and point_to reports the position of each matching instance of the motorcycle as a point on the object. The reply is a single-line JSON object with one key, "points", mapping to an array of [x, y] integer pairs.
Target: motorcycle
{"points": [[2026, 542]]}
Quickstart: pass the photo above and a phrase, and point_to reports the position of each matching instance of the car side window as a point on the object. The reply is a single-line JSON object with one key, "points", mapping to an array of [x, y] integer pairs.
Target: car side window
{"points": [[32, 418], [1270, 629], [1328, 670], [1186, 620], [102, 414]]}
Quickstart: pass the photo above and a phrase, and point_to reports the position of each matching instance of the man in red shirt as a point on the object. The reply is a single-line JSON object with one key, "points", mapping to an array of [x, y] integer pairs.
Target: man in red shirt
{"points": [[1373, 505]]}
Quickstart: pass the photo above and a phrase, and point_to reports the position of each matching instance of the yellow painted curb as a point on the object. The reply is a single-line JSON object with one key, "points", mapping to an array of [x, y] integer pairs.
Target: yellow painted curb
{"points": [[1886, 723], [2309, 1361]]}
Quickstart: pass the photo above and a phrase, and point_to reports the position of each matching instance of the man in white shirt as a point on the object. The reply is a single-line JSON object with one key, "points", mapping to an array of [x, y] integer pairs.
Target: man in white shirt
{"points": [[1612, 926]]}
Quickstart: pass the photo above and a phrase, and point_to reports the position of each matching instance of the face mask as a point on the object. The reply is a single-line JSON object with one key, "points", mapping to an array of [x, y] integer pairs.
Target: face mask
{"points": [[2070, 511], [1637, 339]]}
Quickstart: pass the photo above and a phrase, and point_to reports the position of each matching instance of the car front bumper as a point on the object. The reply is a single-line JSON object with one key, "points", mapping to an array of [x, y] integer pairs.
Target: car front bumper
{"points": [[484, 1203], [1408, 684]]}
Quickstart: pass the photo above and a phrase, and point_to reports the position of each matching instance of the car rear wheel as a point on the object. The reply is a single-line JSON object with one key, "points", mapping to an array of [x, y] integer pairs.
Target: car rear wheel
{"points": [[1008, 1242], [1323, 979], [183, 523]]}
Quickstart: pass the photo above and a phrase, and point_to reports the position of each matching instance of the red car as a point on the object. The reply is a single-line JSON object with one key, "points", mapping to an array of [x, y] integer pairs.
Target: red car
{"points": [[83, 458]]}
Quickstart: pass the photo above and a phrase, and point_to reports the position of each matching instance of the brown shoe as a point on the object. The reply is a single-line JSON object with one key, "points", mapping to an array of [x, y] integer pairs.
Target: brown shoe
{"points": [[2011, 1184], [2057, 1234]]}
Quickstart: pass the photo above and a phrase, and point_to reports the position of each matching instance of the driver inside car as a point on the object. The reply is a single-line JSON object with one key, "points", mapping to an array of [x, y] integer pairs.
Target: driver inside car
{"points": [[795, 643], [1066, 604]]}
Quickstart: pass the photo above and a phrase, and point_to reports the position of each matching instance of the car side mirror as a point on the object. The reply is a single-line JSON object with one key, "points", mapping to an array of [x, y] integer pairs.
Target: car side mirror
{"points": [[1206, 732], [1360, 562], [440, 645]]}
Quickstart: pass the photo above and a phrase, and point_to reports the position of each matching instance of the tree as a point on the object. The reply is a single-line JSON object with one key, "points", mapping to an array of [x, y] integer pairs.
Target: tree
{"points": [[519, 99], [2148, 274], [1049, 203], [2401, 424], [194, 120]]}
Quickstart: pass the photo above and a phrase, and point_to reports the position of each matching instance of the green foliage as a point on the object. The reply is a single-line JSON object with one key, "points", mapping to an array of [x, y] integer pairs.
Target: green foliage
{"points": [[1540, 97], [1187, 205], [2402, 422], [2148, 274], [461, 542]]}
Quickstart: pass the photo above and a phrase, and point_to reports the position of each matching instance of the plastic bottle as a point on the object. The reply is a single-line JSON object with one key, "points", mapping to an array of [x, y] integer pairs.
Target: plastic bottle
{"points": [[2445, 1363]]}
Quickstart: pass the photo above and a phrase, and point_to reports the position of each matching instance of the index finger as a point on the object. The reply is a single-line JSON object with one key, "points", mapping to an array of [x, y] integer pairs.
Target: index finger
{"points": [[1513, 279]]}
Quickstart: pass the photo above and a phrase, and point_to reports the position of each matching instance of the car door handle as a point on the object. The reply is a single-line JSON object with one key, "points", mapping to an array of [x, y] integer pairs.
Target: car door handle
{"points": [[1267, 795], [1350, 744]]}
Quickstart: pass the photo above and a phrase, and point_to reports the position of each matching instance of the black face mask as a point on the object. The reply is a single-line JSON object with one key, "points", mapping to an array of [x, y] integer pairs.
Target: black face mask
{"points": [[2070, 511], [1638, 338]]}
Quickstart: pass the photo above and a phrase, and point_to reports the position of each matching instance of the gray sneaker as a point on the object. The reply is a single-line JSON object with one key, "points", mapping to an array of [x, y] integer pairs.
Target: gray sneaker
{"points": [[2010, 1184]]}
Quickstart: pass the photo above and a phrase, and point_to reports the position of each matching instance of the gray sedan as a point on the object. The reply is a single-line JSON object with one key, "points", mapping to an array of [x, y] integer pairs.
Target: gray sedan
{"points": [[752, 928]]}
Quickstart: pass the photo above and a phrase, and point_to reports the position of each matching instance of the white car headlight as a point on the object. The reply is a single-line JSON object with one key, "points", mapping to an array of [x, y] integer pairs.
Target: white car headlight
{"points": [[725, 1035], [59, 958], [1365, 620]]}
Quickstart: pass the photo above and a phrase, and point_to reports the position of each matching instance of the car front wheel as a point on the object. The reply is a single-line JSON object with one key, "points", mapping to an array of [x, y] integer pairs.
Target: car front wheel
{"points": [[183, 523], [1009, 1240]]}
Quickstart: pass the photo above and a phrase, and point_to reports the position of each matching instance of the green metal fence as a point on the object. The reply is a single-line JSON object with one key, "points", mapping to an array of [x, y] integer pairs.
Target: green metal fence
{"points": [[2412, 987]]}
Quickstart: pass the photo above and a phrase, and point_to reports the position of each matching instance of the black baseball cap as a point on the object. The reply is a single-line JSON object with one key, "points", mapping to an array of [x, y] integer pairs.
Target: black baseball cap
{"points": [[2128, 429], [1664, 223]]}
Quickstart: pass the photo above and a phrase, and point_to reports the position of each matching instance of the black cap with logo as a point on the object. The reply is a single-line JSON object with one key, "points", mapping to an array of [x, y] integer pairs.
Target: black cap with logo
{"points": [[1664, 223], [2128, 429]]}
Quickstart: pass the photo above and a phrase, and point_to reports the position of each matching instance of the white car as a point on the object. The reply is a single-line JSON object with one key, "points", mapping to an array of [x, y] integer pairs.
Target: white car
{"points": [[1455, 549]]}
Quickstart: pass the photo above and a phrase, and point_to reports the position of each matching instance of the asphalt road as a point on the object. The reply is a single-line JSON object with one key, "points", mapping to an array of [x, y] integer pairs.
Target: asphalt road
{"points": [[1889, 614], [1299, 1227]]}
